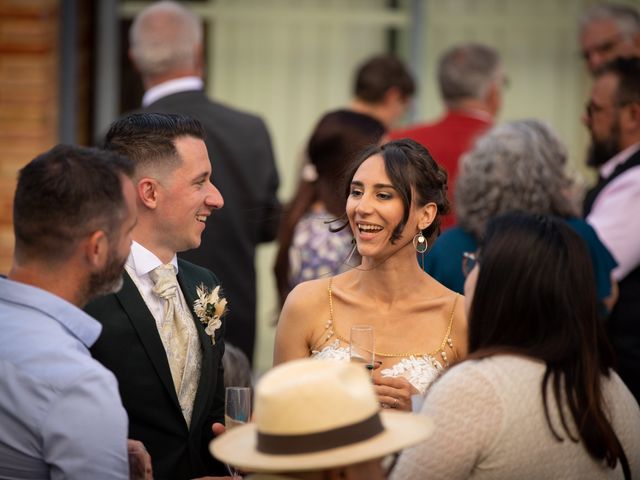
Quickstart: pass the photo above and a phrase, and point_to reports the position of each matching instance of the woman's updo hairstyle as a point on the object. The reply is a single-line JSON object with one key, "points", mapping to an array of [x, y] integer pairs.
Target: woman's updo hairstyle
{"points": [[410, 168]]}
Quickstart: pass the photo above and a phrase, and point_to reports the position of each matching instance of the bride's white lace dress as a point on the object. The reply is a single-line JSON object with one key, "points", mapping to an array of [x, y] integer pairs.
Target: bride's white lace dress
{"points": [[420, 371]]}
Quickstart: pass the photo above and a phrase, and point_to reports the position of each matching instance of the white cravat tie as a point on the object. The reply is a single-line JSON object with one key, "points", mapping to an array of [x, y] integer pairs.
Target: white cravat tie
{"points": [[174, 333]]}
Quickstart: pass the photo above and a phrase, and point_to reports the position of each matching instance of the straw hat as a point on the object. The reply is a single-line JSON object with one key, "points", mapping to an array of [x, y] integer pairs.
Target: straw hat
{"points": [[314, 415]]}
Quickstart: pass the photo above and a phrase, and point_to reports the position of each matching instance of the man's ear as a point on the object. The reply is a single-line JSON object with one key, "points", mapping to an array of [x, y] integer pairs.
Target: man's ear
{"points": [[630, 119], [96, 249], [392, 96], [148, 192], [427, 215], [133, 61], [199, 62]]}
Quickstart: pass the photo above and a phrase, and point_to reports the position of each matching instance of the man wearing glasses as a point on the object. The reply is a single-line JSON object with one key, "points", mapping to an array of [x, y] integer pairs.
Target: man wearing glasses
{"points": [[613, 120], [609, 31]]}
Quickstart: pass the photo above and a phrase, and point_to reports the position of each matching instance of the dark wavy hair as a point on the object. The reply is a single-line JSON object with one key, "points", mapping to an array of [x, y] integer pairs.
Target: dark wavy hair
{"points": [[411, 169], [535, 296]]}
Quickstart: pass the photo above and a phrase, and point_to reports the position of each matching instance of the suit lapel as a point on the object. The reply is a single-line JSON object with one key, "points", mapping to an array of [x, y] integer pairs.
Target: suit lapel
{"points": [[145, 325], [188, 287]]}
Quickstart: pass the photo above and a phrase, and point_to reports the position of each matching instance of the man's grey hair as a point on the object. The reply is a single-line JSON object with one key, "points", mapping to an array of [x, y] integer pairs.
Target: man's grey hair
{"points": [[467, 71], [518, 165], [626, 18], [164, 38]]}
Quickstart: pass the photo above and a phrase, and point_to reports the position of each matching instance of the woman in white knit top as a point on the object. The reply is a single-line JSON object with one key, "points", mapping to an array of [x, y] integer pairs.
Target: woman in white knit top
{"points": [[534, 342]]}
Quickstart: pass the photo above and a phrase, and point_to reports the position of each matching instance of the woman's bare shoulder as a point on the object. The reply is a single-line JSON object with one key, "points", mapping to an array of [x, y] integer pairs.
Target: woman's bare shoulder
{"points": [[310, 292]]}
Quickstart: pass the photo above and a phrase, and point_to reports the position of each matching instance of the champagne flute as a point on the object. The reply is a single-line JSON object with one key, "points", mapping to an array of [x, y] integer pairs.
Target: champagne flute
{"points": [[237, 411], [361, 346]]}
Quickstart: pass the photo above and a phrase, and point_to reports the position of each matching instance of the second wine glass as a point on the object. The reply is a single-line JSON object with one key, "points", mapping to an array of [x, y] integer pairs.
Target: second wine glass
{"points": [[237, 411], [362, 345]]}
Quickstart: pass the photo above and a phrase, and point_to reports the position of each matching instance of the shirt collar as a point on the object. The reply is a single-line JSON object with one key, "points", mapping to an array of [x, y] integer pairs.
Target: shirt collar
{"points": [[473, 113], [610, 165], [143, 260], [84, 327], [164, 89]]}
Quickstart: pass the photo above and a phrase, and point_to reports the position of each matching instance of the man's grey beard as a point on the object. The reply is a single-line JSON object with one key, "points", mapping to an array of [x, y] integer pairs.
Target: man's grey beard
{"points": [[109, 280]]}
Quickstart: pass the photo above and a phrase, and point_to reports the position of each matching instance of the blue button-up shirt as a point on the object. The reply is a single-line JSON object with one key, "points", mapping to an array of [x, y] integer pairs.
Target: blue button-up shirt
{"points": [[60, 411]]}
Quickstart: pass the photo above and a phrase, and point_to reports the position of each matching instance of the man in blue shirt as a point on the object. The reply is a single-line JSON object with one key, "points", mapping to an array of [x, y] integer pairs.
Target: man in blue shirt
{"points": [[60, 412]]}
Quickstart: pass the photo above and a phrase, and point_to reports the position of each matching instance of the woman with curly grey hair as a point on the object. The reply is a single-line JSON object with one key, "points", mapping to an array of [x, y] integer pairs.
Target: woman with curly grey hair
{"points": [[516, 166]]}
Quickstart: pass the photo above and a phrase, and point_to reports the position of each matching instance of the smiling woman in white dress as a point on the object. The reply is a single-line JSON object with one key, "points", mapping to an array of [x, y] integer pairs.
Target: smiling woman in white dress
{"points": [[395, 195]]}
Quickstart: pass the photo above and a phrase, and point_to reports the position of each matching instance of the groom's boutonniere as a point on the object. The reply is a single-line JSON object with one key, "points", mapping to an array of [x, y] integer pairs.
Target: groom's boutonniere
{"points": [[209, 308]]}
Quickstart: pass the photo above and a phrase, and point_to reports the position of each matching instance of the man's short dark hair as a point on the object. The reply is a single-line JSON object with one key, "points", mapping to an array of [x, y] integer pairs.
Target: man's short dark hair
{"points": [[64, 194], [380, 73], [627, 70], [148, 139]]}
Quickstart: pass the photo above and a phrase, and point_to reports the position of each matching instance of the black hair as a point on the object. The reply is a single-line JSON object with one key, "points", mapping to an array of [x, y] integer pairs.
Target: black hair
{"points": [[149, 138], [64, 194], [535, 296]]}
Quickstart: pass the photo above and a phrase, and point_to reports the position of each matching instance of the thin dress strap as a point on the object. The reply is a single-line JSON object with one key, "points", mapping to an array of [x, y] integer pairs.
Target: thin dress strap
{"points": [[330, 331]]}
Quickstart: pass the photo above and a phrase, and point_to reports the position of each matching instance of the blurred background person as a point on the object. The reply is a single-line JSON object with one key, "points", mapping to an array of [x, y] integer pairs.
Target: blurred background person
{"points": [[307, 248], [518, 165], [537, 397], [613, 120], [471, 80], [608, 31], [394, 195], [318, 420], [383, 89], [166, 47]]}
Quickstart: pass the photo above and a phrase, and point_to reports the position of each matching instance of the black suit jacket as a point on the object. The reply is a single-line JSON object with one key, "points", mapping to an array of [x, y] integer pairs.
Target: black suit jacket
{"points": [[244, 171], [130, 346]]}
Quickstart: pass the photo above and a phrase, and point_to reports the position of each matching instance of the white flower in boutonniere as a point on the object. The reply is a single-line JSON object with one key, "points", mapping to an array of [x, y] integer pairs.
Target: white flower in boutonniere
{"points": [[209, 308]]}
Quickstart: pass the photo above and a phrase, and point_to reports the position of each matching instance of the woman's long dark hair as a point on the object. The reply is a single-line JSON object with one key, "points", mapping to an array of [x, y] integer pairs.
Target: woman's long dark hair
{"points": [[338, 137], [535, 296]]}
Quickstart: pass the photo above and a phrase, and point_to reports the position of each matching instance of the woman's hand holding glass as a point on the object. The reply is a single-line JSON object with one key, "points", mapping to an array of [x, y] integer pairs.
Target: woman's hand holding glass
{"points": [[394, 392]]}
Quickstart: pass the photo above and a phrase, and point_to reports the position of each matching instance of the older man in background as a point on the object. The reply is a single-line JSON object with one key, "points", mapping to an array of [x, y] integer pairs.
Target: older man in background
{"points": [[471, 81], [608, 31], [167, 50], [60, 412]]}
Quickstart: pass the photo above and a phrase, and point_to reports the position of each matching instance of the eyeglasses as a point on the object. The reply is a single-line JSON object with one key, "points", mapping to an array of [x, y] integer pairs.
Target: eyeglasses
{"points": [[469, 260], [592, 109]]}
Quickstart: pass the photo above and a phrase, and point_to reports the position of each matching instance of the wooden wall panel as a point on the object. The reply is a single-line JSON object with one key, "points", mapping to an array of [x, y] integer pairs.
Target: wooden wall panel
{"points": [[28, 97]]}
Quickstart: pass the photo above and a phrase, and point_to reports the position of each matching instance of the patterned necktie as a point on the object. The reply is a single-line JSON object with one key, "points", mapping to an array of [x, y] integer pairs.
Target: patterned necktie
{"points": [[174, 330]]}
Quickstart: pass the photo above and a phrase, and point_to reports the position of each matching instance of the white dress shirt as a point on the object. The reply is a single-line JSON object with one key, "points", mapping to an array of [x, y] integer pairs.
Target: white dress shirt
{"points": [[614, 213], [184, 84], [140, 262]]}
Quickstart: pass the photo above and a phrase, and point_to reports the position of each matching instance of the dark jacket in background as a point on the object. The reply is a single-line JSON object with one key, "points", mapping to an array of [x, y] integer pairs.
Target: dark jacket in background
{"points": [[244, 171]]}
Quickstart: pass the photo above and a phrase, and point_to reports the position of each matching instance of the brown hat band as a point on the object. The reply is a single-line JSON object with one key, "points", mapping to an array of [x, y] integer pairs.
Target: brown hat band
{"points": [[315, 442]]}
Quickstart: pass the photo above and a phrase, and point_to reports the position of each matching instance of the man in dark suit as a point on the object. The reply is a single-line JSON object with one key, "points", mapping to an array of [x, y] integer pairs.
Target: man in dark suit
{"points": [[169, 368], [166, 49]]}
